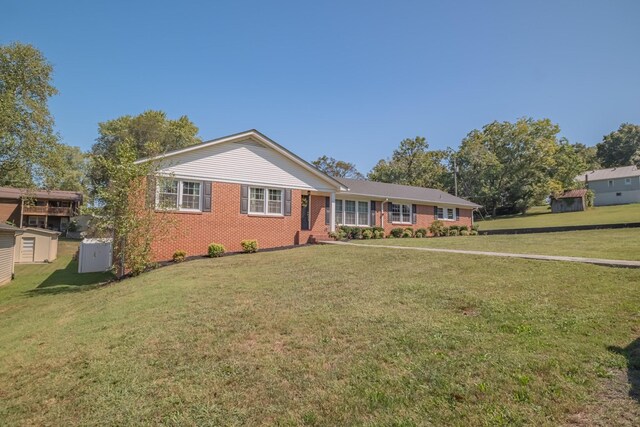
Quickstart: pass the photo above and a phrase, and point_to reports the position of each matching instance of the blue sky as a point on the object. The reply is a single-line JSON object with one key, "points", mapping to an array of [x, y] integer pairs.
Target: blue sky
{"points": [[349, 79]]}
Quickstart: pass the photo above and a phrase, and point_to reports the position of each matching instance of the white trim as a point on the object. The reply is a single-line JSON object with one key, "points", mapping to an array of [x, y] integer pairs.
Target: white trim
{"points": [[416, 201], [401, 209], [368, 214], [179, 207], [257, 136], [266, 202], [445, 210]]}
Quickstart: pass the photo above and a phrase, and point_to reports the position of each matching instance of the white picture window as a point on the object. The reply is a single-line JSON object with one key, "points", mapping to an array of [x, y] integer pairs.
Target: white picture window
{"points": [[175, 194], [352, 212], [401, 213], [266, 201]]}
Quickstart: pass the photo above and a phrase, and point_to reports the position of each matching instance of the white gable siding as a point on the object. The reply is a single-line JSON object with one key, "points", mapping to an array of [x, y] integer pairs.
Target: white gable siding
{"points": [[243, 162]]}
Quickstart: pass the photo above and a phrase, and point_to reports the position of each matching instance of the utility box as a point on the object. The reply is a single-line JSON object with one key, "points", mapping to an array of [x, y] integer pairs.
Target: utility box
{"points": [[95, 255]]}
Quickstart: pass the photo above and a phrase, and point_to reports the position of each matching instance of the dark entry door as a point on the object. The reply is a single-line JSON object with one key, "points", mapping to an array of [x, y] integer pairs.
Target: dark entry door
{"points": [[305, 212]]}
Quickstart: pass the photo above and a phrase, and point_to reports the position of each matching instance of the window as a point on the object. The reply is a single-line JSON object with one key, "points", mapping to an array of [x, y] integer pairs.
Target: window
{"points": [[627, 181], [265, 201], [610, 182], [174, 194], [401, 213], [448, 214], [352, 212]]}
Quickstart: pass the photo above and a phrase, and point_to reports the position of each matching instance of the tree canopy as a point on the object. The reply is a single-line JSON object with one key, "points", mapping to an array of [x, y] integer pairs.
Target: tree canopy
{"points": [[28, 144], [147, 134], [337, 168], [621, 147]]}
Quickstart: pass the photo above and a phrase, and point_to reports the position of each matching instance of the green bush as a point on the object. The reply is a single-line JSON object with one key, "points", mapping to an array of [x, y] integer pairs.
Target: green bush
{"points": [[249, 246], [407, 232], [378, 234], [179, 256], [423, 232], [454, 227], [473, 233], [367, 234], [464, 232], [463, 228], [418, 235], [438, 229], [352, 232], [475, 227], [216, 250], [396, 232], [453, 231]]}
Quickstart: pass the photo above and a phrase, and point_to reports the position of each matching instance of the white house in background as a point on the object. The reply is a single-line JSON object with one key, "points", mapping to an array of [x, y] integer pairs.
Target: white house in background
{"points": [[613, 186]]}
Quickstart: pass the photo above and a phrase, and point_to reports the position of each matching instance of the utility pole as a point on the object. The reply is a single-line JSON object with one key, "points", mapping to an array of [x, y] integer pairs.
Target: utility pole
{"points": [[455, 177]]}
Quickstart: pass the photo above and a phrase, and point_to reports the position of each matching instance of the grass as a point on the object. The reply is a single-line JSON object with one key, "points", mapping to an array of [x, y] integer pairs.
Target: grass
{"points": [[607, 244], [541, 216], [324, 335]]}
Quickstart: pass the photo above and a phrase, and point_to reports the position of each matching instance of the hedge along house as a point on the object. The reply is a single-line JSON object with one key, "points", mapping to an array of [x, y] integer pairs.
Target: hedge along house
{"points": [[246, 186]]}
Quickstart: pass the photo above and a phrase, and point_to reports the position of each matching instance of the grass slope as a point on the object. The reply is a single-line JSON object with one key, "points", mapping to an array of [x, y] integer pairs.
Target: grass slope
{"points": [[541, 216], [607, 244], [323, 336]]}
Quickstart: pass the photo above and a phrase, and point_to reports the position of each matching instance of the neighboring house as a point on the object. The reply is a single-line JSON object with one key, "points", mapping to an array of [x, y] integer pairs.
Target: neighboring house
{"points": [[39, 208], [570, 201], [614, 186], [246, 186], [7, 244]]}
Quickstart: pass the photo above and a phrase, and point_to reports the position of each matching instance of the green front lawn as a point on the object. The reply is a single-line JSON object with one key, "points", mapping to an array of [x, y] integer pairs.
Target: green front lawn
{"points": [[541, 216], [607, 244], [324, 335]]}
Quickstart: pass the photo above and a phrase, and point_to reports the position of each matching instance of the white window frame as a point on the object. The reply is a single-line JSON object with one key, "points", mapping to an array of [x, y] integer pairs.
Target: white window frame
{"points": [[445, 213], [340, 216], [266, 201], [627, 181], [402, 212], [178, 207]]}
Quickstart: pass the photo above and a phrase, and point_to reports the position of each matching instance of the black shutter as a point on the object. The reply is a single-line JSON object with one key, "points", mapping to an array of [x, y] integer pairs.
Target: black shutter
{"points": [[435, 212], [457, 213], [327, 210], [244, 199], [389, 204], [287, 202], [414, 214], [206, 196], [373, 214], [151, 191]]}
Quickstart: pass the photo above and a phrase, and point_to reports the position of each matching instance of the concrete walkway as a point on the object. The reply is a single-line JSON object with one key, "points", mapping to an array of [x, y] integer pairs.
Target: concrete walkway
{"points": [[597, 261]]}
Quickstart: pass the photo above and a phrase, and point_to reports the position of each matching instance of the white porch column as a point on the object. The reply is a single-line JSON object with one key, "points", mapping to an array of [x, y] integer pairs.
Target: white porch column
{"points": [[332, 217]]}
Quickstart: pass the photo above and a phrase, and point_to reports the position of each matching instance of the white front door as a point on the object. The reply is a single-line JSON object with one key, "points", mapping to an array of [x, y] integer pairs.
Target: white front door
{"points": [[27, 249]]}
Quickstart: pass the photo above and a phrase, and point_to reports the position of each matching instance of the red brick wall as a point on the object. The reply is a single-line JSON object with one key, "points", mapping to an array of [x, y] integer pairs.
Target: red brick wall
{"points": [[193, 232], [10, 211]]}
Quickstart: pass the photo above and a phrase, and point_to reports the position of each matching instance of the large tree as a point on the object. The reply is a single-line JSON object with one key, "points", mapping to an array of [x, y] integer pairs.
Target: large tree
{"points": [[621, 147], [412, 163], [68, 169], [509, 165], [337, 168], [27, 140], [147, 134]]}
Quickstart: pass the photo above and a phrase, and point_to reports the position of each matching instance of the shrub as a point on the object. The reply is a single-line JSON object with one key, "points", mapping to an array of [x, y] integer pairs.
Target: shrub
{"points": [[378, 234], [438, 229], [463, 228], [179, 256], [464, 232], [396, 232], [216, 250], [351, 232], [249, 246], [422, 232], [374, 229], [407, 232], [590, 198], [473, 233], [367, 234], [454, 227], [418, 235], [453, 232], [475, 227]]}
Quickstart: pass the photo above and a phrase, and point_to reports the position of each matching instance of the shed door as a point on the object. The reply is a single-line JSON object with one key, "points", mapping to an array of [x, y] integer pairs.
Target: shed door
{"points": [[6, 256], [27, 249]]}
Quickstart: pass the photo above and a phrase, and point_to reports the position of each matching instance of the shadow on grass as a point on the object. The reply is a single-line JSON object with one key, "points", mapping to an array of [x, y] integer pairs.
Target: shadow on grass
{"points": [[632, 353], [68, 279]]}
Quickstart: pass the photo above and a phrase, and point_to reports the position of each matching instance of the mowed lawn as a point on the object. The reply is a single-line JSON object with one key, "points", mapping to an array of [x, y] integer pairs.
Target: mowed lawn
{"points": [[541, 216], [325, 335], [607, 244]]}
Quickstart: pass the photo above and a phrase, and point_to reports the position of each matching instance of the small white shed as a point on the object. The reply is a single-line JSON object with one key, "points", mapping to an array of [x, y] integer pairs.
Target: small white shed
{"points": [[7, 245], [36, 245], [95, 255]]}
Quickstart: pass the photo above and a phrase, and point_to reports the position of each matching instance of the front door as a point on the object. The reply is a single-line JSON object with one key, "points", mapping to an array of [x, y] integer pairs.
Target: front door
{"points": [[27, 249], [305, 212]]}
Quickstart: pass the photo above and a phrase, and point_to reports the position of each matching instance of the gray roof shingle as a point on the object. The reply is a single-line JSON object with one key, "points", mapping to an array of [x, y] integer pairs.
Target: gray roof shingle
{"points": [[611, 173], [383, 190]]}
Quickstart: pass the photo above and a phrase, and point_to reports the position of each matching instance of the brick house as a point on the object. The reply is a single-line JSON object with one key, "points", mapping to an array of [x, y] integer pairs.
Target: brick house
{"points": [[39, 208], [246, 186]]}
